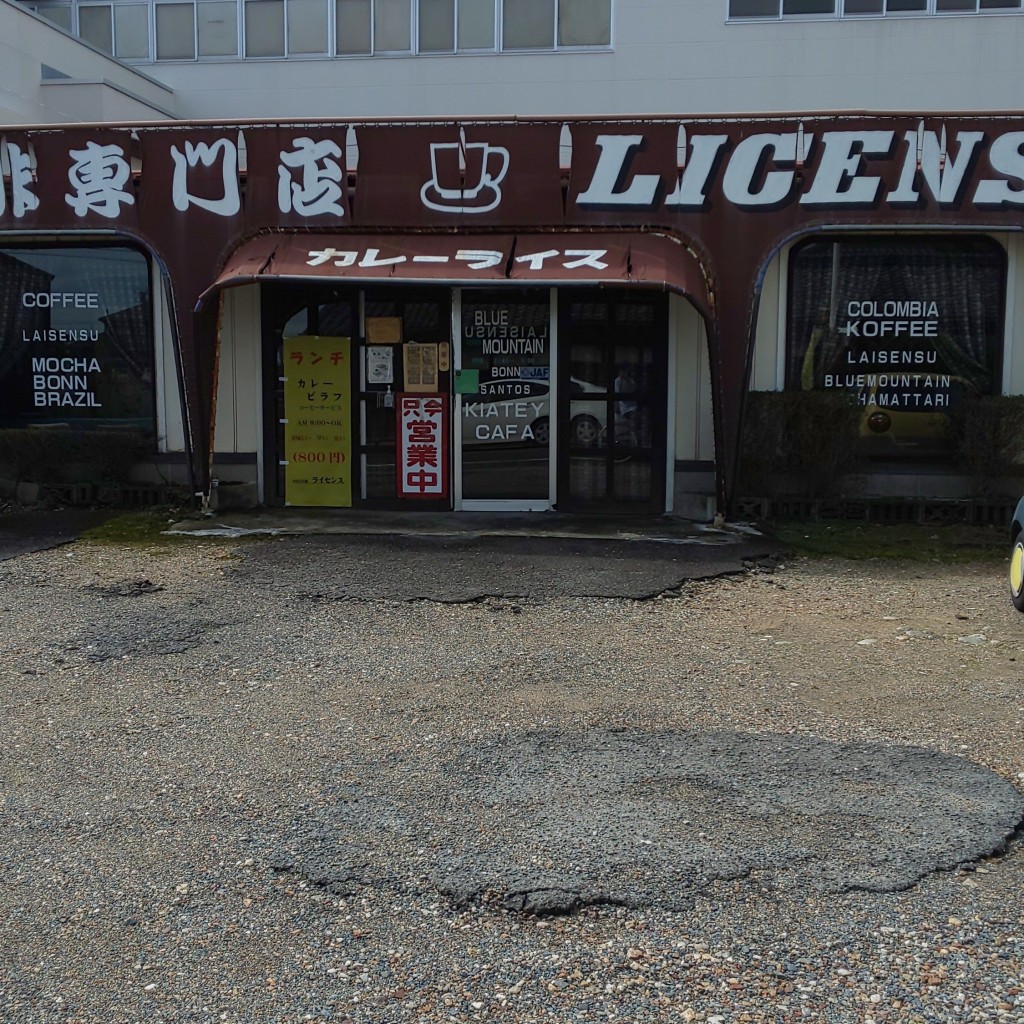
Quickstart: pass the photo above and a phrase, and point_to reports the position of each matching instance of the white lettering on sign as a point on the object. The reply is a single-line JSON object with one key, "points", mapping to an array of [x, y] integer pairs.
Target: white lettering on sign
{"points": [[890, 328], [839, 180], [893, 357], [54, 364], [944, 177], [318, 189], [23, 199], [914, 318], [743, 170], [612, 163], [98, 176], [63, 382], [892, 307], [475, 259], [61, 334], [1006, 157], [691, 189], [512, 346], [57, 300], [201, 154], [887, 380]]}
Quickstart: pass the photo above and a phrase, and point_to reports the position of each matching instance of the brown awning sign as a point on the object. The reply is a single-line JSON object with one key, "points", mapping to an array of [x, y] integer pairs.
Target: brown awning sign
{"points": [[651, 260]]}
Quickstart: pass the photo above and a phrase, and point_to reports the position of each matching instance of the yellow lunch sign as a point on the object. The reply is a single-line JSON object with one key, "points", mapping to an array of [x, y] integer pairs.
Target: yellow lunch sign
{"points": [[318, 421]]}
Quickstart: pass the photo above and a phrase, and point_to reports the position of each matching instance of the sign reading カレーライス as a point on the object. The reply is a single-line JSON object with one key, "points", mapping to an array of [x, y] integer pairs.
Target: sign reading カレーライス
{"points": [[318, 421]]}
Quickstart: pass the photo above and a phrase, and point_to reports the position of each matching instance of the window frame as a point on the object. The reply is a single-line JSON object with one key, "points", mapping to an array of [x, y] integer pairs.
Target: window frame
{"points": [[838, 13], [330, 51]]}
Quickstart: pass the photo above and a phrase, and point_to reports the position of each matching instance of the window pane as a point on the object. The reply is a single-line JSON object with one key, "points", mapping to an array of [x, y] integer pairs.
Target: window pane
{"points": [[437, 25], [307, 26], [391, 26], [94, 27], [353, 27], [175, 32], [896, 6], [264, 28], [131, 30], [808, 7], [584, 22], [218, 29], [863, 7], [476, 24], [113, 340], [991, 5], [960, 283], [60, 16], [753, 8], [528, 25]]}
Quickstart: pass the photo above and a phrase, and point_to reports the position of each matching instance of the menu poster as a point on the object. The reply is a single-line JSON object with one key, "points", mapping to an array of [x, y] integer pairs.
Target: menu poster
{"points": [[318, 422], [420, 367], [380, 364]]}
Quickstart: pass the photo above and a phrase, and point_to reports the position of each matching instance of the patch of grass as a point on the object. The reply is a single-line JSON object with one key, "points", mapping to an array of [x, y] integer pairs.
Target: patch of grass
{"points": [[142, 528], [907, 541]]}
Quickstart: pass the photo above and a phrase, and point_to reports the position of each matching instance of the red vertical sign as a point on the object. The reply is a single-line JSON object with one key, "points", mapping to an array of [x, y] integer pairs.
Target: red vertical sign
{"points": [[422, 461]]}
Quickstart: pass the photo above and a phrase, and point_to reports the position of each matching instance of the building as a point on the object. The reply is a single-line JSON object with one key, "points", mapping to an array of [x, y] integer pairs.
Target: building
{"points": [[546, 246]]}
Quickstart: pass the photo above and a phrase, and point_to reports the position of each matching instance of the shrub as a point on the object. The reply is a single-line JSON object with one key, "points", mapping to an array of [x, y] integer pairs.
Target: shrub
{"points": [[55, 456], [798, 442], [987, 432]]}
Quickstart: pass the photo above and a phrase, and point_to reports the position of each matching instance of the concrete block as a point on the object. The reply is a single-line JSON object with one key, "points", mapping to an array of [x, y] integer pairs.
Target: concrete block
{"points": [[233, 497]]}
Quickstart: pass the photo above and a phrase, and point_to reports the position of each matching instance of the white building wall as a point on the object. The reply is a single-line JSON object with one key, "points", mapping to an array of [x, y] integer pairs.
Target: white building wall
{"points": [[49, 77], [1013, 352], [691, 415], [691, 391], [169, 421], [768, 371], [239, 383], [666, 58]]}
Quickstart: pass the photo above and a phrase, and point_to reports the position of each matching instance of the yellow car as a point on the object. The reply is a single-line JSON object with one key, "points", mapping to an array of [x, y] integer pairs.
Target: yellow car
{"points": [[909, 410], [1017, 557]]}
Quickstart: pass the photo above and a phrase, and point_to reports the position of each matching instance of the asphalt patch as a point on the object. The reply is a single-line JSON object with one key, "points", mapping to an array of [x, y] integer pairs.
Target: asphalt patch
{"points": [[465, 569], [24, 532], [548, 823]]}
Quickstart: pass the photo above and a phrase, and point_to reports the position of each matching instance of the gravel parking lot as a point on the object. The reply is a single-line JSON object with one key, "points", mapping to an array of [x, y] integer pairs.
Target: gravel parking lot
{"points": [[356, 779]]}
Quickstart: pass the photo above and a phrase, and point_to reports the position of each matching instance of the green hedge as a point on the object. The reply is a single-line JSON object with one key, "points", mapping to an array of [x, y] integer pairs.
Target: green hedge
{"points": [[799, 442], [987, 434], [805, 444]]}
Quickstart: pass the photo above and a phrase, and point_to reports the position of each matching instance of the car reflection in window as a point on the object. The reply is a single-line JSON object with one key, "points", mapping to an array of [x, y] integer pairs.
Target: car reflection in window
{"points": [[519, 412]]}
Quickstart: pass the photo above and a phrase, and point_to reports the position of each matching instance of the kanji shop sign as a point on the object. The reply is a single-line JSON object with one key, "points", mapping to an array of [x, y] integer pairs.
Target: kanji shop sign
{"points": [[317, 421], [511, 175], [422, 461]]}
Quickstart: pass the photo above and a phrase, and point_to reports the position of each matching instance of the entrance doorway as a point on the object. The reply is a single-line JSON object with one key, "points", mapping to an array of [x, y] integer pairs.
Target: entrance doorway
{"points": [[504, 414], [613, 368]]}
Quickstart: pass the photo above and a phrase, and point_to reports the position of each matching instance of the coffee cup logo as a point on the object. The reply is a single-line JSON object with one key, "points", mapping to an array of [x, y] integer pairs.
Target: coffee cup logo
{"points": [[474, 187]]}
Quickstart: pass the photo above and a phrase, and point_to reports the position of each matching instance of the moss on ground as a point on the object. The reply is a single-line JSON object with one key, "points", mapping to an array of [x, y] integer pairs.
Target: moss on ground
{"points": [[906, 541], [141, 528]]}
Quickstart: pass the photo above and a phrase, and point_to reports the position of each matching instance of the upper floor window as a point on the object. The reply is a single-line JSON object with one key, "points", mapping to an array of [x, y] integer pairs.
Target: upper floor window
{"points": [[146, 30], [742, 9]]}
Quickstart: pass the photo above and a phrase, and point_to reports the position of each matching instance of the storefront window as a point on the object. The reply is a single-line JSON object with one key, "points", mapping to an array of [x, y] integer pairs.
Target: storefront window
{"points": [[76, 342], [906, 326], [506, 419]]}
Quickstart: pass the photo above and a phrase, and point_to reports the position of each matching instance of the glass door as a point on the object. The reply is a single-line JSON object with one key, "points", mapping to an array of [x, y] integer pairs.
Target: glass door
{"points": [[614, 363], [504, 385]]}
